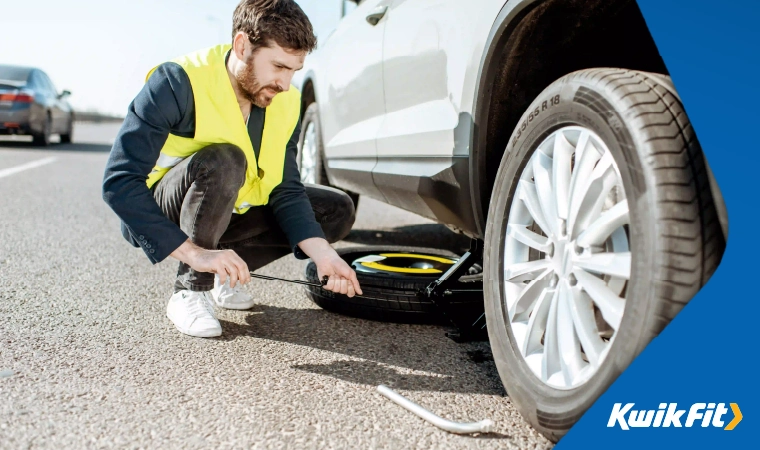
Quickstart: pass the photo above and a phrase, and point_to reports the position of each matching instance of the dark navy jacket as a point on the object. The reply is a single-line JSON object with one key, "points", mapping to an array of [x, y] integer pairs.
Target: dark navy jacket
{"points": [[164, 105]]}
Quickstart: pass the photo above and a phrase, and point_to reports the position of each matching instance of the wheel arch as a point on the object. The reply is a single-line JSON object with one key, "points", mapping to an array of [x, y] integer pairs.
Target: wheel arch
{"points": [[522, 56], [308, 92]]}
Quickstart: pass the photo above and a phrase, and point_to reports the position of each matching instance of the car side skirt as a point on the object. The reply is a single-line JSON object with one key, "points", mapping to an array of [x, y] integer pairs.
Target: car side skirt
{"points": [[434, 187]]}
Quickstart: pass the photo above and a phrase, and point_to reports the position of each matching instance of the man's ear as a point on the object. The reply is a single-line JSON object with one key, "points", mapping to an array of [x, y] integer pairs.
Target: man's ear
{"points": [[239, 45]]}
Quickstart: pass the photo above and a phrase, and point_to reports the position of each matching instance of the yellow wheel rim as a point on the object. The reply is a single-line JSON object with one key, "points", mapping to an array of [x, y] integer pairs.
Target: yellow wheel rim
{"points": [[399, 262]]}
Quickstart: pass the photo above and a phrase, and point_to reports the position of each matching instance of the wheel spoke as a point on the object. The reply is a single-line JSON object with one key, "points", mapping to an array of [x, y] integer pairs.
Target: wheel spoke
{"points": [[537, 322], [619, 241], [582, 310], [530, 199], [609, 304], [602, 228], [563, 151], [529, 295], [529, 238], [580, 148], [550, 363], [542, 167], [592, 207], [584, 185], [586, 157], [571, 360], [519, 271], [615, 264]]}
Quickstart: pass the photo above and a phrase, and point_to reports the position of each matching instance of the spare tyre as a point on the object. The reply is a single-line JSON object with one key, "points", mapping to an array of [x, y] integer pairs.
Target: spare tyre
{"points": [[392, 276]]}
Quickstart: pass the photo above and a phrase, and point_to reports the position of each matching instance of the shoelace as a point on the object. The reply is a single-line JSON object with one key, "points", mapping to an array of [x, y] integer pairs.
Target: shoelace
{"points": [[202, 305]]}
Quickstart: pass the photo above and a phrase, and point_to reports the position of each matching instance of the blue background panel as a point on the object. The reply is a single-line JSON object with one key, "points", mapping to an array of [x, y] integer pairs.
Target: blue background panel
{"points": [[709, 353]]}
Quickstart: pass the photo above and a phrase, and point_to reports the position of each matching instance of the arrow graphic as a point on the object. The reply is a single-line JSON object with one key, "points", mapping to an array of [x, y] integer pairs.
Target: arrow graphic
{"points": [[737, 417]]}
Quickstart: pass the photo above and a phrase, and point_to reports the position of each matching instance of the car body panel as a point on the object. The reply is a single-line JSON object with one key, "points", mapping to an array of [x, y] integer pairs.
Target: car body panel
{"points": [[399, 101], [431, 52], [351, 67], [19, 113], [428, 73]]}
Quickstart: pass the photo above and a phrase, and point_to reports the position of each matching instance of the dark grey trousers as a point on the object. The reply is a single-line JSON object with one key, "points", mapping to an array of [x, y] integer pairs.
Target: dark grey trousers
{"points": [[199, 194]]}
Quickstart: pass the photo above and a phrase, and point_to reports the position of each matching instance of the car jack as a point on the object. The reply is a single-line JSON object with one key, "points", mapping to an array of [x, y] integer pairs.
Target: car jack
{"points": [[440, 292]]}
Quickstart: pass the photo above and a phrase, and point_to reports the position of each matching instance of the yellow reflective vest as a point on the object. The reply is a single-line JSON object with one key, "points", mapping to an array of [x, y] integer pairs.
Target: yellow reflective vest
{"points": [[218, 120]]}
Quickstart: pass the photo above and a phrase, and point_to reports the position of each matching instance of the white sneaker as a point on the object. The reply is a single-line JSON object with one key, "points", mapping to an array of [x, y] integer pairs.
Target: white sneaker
{"points": [[230, 298], [193, 313]]}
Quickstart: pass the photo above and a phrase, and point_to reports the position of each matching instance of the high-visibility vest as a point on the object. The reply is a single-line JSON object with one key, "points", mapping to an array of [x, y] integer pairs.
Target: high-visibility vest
{"points": [[218, 120]]}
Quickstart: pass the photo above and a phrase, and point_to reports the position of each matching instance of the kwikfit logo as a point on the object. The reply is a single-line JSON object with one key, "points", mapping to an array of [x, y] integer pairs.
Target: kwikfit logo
{"points": [[668, 415]]}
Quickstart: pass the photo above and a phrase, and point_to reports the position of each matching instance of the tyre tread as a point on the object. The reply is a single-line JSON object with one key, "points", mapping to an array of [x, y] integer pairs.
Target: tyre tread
{"points": [[684, 206]]}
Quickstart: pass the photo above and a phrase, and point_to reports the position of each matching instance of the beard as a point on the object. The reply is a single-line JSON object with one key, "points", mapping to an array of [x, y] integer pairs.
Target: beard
{"points": [[253, 91]]}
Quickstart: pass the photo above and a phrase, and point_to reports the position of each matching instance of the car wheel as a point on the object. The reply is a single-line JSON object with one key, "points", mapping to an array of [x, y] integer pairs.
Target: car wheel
{"points": [[43, 138], [66, 137], [310, 148], [311, 151], [601, 227], [399, 272]]}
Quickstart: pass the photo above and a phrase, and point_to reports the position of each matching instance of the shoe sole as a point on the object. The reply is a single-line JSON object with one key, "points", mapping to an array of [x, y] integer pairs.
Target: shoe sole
{"points": [[239, 307], [204, 334]]}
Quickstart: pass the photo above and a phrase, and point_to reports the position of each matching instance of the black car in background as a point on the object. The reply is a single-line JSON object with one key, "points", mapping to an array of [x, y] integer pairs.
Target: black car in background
{"points": [[30, 105]]}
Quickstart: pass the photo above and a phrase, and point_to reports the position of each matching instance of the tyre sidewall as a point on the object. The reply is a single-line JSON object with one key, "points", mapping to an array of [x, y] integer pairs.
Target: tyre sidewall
{"points": [[389, 286], [553, 411], [66, 137]]}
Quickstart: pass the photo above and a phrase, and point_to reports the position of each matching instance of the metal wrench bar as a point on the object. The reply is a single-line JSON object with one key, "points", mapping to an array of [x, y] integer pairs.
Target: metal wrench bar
{"points": [[324, 282]]}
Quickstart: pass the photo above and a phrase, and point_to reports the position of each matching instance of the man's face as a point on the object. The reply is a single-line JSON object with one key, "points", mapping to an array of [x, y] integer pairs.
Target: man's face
{"points": [[267, 72]]}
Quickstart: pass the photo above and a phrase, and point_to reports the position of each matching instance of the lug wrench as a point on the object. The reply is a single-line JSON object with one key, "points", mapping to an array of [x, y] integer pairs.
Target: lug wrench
{"points": [[324, 281]]}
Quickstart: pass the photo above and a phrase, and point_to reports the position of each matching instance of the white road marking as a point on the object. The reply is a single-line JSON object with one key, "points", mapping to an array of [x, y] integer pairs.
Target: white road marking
{"points": [[27, 166]]}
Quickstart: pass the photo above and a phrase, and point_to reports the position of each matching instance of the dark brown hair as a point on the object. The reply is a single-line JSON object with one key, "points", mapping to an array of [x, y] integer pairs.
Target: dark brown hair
{"points": [[281, 21]]}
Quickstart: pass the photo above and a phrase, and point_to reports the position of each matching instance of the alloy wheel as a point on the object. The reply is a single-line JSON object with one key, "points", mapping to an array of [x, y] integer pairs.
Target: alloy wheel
{"points": [[309, 155], [567, 257]]}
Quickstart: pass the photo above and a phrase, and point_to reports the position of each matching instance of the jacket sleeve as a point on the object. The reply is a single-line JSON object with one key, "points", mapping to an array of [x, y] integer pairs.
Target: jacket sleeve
{"points": [[165, 104], [290, 204]]}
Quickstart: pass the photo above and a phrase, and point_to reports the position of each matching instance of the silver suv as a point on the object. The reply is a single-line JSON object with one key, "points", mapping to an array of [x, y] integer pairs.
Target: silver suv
{"points": [[550, 130]]}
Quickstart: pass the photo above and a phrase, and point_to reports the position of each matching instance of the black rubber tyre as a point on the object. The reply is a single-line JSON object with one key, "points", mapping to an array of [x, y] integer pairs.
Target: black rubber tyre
{"points": [[66, 137], [397, 301], [43, 138], [311, 115], [675, 235]]}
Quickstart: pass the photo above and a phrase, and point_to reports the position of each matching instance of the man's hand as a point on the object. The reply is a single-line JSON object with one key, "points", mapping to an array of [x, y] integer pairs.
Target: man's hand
{"points": [[221, 262], [342, 278]]}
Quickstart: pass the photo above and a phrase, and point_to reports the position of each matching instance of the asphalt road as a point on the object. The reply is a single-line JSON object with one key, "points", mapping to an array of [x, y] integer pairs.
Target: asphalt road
{"points": [[88, 358]]}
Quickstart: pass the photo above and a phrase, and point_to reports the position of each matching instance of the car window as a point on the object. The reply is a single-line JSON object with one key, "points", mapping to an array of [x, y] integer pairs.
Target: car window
{"points": [[40, 83], [13, 73], [36, 83], [349, 6], [49, 83]]}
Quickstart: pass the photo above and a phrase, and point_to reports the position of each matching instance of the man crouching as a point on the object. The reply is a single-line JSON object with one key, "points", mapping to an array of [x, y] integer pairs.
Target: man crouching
{"points": [[204, 168]]}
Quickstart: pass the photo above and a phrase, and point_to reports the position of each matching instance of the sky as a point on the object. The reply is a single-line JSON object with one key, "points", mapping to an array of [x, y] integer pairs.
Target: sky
{"points": [[101, 50]]}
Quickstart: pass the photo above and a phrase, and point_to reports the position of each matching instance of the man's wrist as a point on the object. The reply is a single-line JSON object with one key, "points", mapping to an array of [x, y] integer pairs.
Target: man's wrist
{"points": [[186, 252], [316, 248]]}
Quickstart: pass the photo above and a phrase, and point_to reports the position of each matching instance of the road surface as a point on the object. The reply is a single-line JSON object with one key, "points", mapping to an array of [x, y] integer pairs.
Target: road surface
{"points": [[88, 358]]}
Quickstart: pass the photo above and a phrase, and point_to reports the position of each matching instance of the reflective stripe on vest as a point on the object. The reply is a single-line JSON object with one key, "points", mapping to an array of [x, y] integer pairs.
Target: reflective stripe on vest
{"points": [[218, 120]]}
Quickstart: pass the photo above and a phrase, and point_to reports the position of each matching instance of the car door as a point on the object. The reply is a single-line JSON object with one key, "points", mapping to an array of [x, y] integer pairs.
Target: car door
{"points": [[57, 109], [46, 98], [351, 103], [432, 49], [42, 102]]}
